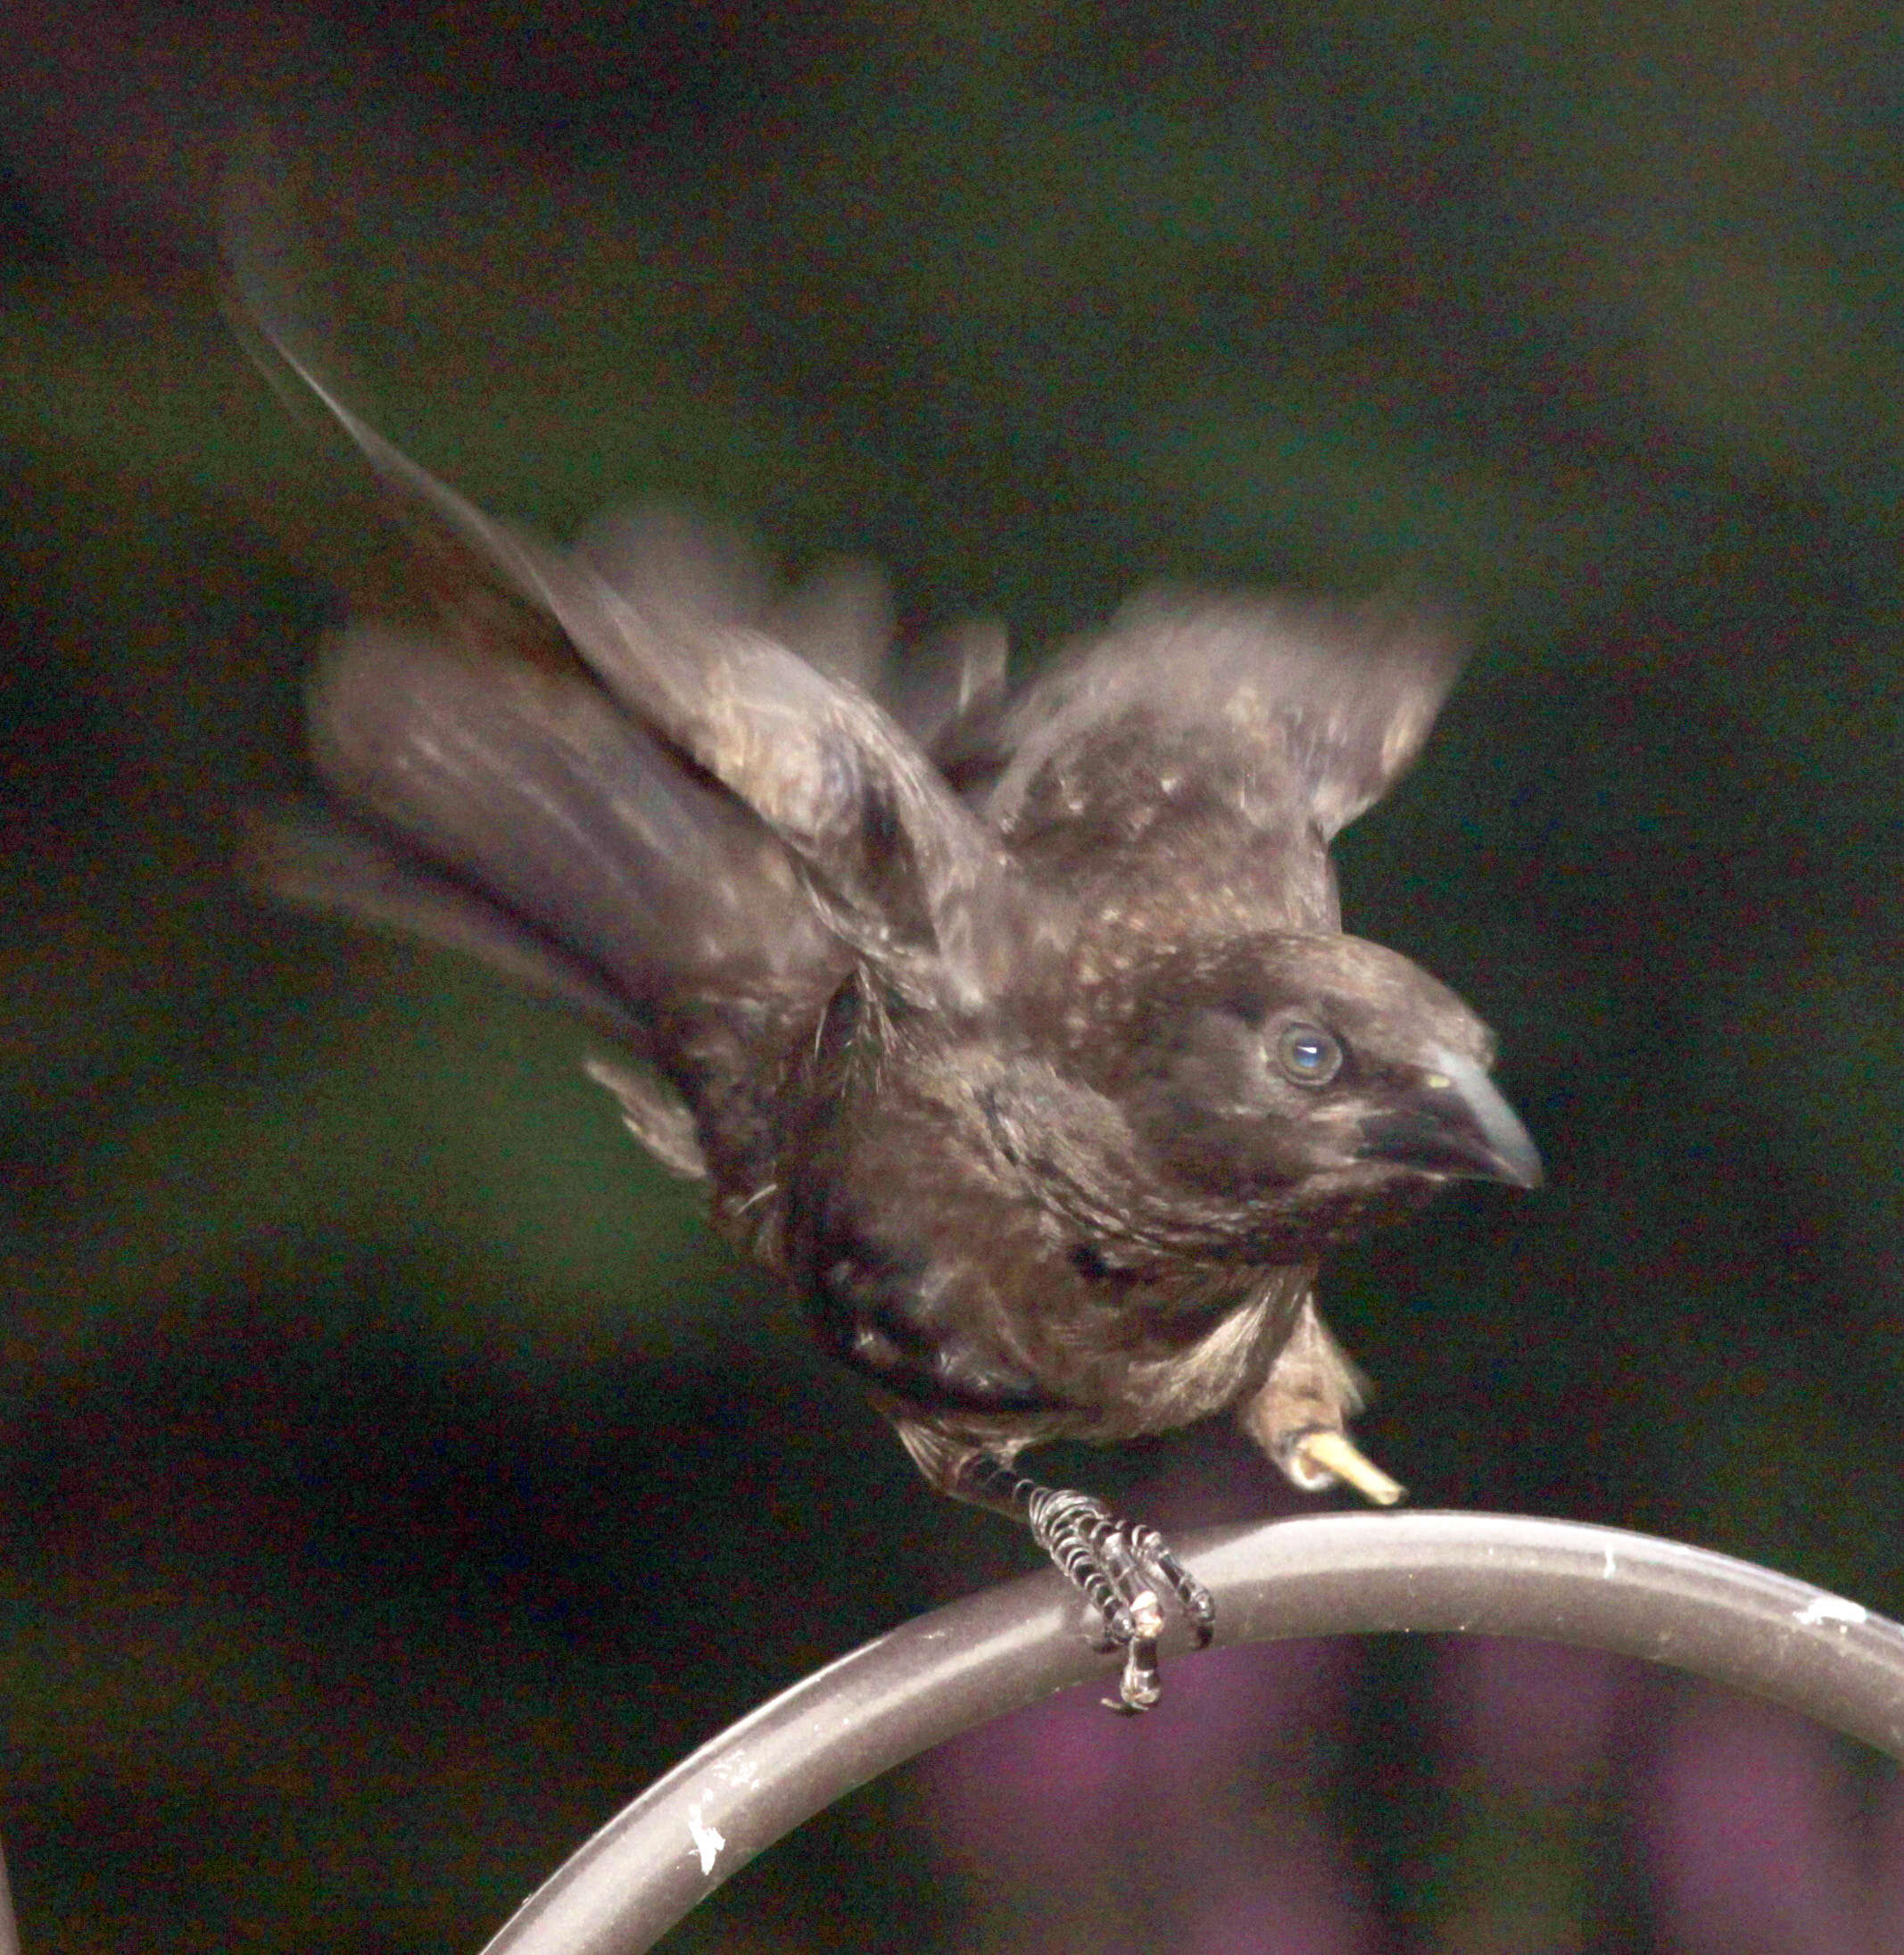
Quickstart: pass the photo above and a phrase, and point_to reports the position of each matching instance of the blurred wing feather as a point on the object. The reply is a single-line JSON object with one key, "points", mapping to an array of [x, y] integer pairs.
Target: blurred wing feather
{"points": [[904, 872], [326, 863], [525, 781], [1227, 738]]}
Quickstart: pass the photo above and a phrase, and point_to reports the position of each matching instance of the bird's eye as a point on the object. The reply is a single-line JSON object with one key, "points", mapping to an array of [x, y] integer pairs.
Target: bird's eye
{"points": [[1308, 1055]]}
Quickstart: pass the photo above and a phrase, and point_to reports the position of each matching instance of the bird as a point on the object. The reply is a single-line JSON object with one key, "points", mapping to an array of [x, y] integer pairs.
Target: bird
{"points": [[1014, 1027]]}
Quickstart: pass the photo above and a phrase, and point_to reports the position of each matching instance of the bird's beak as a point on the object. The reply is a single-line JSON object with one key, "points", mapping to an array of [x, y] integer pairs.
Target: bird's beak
{"points": [[1453, 1121]]}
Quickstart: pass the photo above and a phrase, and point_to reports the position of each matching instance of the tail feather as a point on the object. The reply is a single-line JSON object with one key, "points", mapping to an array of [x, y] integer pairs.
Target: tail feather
{"points": [[584, 830], [328, 864]]}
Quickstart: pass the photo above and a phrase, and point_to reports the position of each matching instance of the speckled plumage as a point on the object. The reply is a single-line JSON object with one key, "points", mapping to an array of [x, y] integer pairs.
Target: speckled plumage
{"points": [[983, 1014]]}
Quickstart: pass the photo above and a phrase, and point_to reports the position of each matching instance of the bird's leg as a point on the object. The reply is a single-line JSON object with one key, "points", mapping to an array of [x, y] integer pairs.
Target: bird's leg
{"points": [[1122, 1570], [1316, 1459], [1297, 1417]]}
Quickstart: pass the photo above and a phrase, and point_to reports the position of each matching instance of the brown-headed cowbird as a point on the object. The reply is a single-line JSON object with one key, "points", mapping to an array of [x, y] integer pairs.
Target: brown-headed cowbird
{"points": [[1017, 1029]]}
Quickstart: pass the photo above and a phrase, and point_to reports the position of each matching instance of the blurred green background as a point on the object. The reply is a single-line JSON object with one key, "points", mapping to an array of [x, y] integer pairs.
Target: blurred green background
{"points": [[394, 1474]]}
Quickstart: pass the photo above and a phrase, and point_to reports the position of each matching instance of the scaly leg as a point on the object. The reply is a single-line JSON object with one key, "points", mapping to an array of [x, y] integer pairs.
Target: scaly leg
{"points": [[1125, 1571]]}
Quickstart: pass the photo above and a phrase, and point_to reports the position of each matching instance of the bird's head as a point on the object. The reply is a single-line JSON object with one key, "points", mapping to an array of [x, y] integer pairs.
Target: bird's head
{"points": [[1322, 1081]]}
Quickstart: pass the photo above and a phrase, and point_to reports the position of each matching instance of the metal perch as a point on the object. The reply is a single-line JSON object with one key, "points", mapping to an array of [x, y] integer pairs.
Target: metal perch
{"points": [[1326, 1575]]}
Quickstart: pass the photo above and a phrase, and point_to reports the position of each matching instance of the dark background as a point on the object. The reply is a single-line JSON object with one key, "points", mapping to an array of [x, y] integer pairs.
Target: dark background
{"points": [[394, 1474]]}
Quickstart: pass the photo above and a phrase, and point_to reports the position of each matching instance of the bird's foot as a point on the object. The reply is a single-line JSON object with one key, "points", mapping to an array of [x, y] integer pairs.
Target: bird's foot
{"points": [[1124, 1572], [1127, 1573]]}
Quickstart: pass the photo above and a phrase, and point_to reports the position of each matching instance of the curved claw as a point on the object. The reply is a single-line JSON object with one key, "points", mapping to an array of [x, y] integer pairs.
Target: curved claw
{"points": [[1140, 1686], [1123, 1571], [1193, 1598], [1127, 1573]]}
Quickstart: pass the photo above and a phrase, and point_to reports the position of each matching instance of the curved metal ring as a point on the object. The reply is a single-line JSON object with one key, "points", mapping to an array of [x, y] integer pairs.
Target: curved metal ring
{"points": [[1323, 1575]]}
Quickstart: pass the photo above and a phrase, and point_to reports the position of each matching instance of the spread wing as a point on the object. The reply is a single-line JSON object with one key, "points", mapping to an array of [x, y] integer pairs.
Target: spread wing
{"points": [[904, 872], [529, 788], [684, 640], [1205, 750]]}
